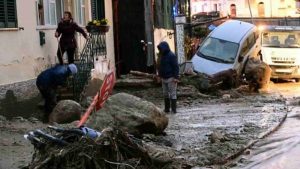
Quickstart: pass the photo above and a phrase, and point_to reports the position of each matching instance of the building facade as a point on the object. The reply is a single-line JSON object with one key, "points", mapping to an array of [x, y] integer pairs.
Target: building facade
{"points": [[27, 42], [240, 8]]}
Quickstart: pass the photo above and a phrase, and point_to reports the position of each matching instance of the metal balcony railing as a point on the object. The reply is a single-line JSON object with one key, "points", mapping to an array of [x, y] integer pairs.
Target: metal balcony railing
{"points": [[95, 46]]}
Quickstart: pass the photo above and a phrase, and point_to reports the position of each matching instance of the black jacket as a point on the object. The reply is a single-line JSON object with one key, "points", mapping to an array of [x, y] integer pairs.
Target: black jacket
{"points": [[67, 31], [168, 62]]}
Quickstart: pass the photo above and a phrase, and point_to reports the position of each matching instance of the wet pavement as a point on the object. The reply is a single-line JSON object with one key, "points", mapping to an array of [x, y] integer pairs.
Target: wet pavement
{"points": [[241, 121], [281, 149]]}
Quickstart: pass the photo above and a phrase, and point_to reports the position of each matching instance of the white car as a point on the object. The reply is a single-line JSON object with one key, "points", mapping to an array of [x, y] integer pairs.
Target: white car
{"points": [[227, 47]]}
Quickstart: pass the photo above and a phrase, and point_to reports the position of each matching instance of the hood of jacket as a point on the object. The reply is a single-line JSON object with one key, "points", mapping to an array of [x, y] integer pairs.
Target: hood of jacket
{"points": [[163, 47]]}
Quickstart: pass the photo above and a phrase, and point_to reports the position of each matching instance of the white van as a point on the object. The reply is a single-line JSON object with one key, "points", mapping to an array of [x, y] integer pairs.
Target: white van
{"points": [[227, 47], [280, 49]]}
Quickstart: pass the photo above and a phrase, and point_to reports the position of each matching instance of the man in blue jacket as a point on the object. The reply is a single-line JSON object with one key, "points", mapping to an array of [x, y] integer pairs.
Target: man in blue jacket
{"points": [[169, 74], [48, 81]]}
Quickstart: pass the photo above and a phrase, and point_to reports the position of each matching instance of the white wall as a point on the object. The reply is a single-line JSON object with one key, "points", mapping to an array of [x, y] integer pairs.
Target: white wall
{"points": [[21, 56], [110, 34], [161, 35], [274, 8]]}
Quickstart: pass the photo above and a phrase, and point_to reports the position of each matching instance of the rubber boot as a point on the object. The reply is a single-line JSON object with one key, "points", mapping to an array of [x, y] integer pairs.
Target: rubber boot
{"points": [[167, 105], [173, 105]]}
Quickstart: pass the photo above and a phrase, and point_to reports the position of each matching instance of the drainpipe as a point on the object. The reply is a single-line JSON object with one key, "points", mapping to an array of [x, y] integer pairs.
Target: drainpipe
{"points": [[271, 8]]}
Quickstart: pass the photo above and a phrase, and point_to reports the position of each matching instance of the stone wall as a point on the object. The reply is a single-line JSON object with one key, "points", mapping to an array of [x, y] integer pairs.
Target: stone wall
{"points": [[21, 90]]}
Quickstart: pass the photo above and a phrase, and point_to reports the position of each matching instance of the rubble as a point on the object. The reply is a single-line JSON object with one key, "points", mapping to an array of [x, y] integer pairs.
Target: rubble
{"points": [[112, 149]]}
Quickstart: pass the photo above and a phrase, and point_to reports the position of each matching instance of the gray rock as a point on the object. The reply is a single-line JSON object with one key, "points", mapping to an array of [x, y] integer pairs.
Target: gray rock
{"points": [[131, 114], [33, 120], [216, 136], [2, 118], [19, 119], [66, 111]]}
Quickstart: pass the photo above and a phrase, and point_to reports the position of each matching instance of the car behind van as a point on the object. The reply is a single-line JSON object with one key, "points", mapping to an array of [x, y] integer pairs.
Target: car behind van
{"points": [[227, 47]]}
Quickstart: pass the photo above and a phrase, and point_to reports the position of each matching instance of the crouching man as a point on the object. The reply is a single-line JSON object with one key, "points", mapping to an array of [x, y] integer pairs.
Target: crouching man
{"points": [[48, 81], [169, 74]]}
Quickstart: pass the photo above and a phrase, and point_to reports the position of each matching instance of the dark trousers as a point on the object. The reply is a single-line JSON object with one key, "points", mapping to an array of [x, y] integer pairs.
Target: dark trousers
{"points": [[70, 52], [49, 95]]}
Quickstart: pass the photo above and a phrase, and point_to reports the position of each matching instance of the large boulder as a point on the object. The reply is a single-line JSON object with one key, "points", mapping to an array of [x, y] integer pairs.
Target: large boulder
{"points": [[131, 114], [258, 74], [66, 111]]}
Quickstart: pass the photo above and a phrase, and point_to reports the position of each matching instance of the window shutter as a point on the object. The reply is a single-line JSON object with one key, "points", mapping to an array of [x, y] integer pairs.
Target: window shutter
{"points": [[101, 9], [158, 16], [93, 9], [8, 14], [2, 14], [98, 9], [168, 14], [11, 14]]}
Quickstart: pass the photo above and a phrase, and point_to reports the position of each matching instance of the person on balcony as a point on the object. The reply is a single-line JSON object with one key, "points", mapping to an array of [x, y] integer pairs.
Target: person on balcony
{"points": [[168, 71], [48, 81], [66, 31]]}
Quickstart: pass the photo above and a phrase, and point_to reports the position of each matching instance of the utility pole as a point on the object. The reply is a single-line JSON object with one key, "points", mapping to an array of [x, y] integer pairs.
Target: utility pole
{"points": [[250, 11]]}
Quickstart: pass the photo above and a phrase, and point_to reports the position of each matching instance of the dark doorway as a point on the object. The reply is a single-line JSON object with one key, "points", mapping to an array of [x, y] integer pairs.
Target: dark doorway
{"points": [[129, 30]]}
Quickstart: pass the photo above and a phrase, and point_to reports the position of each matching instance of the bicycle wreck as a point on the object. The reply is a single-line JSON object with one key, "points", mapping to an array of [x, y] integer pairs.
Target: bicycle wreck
{"points": [[85, 148]]}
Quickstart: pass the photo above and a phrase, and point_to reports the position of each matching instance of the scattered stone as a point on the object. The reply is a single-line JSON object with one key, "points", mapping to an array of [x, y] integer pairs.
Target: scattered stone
{"points": [[19, 119], [33, 120], [216, 136], [247, 152], [226, 96], [2, 118], [66, 111]]}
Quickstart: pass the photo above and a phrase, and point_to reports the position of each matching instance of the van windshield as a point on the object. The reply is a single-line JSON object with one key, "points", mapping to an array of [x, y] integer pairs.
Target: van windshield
{"points": [[218, 50], [279, 39]]}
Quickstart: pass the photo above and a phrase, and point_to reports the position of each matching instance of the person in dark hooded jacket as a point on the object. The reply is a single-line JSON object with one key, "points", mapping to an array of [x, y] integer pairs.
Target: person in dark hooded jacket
{"points": [[169, 74], [48, 81], [66, 29]]}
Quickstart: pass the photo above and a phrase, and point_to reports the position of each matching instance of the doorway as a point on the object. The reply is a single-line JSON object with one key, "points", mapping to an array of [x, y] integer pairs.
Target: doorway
{"points": [[129, 31]]}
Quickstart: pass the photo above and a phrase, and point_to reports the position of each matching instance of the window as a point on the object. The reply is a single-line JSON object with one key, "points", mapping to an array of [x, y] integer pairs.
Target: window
{"points": [[215, 7], [218, 50], [298, 4], [49, 12], [80, 12], [261, 9], [248, 44], [8, 14], [98, 9], [232, 10]]}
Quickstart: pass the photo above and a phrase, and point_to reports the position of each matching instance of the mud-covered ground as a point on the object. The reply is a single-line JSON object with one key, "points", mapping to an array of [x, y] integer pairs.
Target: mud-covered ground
{"points": [[235, 117]]}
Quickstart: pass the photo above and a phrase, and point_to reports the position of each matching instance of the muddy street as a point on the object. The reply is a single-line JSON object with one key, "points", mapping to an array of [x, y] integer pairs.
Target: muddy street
{"points": [[206, 131], [280, 149]]}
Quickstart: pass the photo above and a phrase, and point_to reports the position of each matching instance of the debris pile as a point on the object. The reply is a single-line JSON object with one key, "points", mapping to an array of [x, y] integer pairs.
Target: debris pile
{"points": [[112, 149]]}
